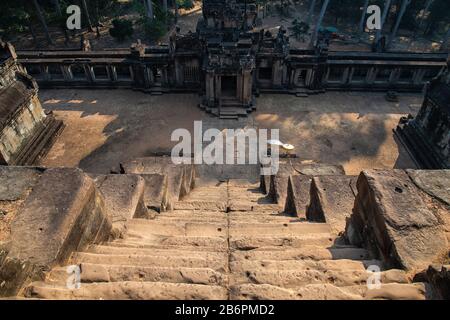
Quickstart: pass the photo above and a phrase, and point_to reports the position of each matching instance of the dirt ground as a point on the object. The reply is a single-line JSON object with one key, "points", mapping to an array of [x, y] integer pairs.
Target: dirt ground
{"points": [[106, 127]]}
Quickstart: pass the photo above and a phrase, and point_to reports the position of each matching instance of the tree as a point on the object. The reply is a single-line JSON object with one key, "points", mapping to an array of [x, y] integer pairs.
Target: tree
{"points": [[405, 4], [149, 9], [319, 22], [312, 5], [363, 16], [121, 29], [387, 6], [446, 41], [61, 19], [86, 13], [175, 7], [299, 28], [426, 10], [41, 17], [439, 16]]}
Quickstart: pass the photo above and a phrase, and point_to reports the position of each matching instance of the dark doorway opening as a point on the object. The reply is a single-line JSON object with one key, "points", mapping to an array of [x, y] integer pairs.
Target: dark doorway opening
{"points": [[229, 86]]}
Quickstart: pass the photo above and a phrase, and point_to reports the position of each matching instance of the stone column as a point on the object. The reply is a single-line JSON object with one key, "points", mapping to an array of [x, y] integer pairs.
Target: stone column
{"points": [[113, 73], [66, 73], [89, 72], [247, 87], [218, 88], [277, 74]]}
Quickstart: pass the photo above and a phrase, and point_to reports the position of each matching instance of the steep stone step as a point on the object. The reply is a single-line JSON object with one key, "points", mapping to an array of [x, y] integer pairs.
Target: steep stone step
{"points": [[91, 273], [239, 228], [154, 251], [129, 290], [262, 218], [416, 291], [123, 196], [216, 242], [138, 244], [194, 219], [243, 266], [157, 227], [150, 260], [200, 205], [332, 199], [281, 241], [244, 205], [299, 278], [306, 252]]}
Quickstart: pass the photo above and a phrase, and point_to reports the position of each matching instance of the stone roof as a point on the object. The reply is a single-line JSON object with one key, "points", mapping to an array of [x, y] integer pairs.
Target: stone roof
{"points": [[13, 97]]}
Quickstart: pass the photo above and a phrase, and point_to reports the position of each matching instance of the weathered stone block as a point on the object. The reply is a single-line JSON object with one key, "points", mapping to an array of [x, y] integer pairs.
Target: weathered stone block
{"points": [[297, 199], [156, 192], [64, 213], [177, 178], [16, 181], [288, 167], [331, 200], [392, 218], [123, 196], [434, 182]]}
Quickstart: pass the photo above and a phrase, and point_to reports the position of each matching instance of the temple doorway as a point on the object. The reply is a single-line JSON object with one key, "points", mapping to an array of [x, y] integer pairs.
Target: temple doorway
{"points": [[229, 86]]}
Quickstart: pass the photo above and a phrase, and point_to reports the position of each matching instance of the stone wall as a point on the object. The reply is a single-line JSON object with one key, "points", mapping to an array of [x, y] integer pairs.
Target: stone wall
{"points": [[26, 132]]}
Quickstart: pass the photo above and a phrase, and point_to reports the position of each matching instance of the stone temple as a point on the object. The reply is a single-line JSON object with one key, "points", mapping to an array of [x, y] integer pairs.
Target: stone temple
{"points": [[26, 132], [428, 134], [159, 230]]}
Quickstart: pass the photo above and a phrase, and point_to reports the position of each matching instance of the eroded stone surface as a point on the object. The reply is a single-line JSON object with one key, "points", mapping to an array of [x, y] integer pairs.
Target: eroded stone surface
{"points": [[123, 197], [391, 217], [63, 213], [178, 176], [298, 198], [288, 167], [331, 200], [434, 182], [15, 181]]}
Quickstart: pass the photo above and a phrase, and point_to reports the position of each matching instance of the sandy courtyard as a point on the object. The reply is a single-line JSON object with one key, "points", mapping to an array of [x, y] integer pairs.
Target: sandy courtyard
{"points": [[106, 127]]}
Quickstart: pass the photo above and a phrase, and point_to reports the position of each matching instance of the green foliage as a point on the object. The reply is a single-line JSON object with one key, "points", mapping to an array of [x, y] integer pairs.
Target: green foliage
{"points": [[185, 4], [154, 29], [299, 28], [121, 29], [439, 16], [13, 18]]}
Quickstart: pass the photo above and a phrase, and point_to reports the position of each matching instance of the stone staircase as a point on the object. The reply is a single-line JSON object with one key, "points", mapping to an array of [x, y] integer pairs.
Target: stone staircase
{"points": [[230, 108], [225, 241]]}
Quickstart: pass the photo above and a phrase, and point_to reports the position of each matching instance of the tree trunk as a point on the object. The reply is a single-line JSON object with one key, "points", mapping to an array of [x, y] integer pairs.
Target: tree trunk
{"points": [[86, 12], [165, 8], [43, 22], [387, 6], [425, 10], [62, 24], [312, 5], [97, 20], [175, 6], [319, 22], [33, 34], [57, 7], [405, 4], [149, 9], [363, 16]]}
